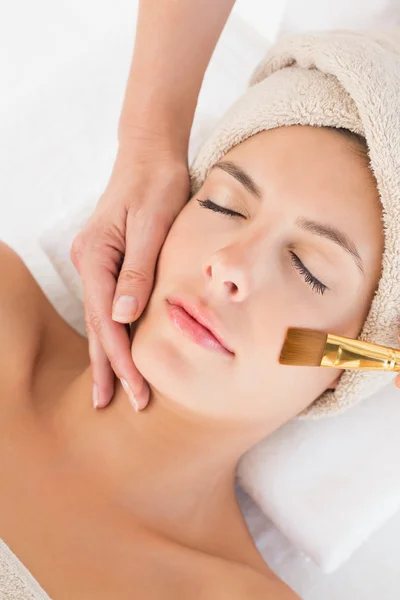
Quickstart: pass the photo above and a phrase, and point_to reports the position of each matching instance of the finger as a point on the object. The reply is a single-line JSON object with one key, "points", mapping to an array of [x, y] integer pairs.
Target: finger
{"points": [[76, 250], [99, 285], [144, 239], [102, 373]]}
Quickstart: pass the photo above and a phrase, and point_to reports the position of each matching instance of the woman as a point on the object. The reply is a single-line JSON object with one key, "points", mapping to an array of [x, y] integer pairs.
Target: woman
{"points": [[113, 503]]}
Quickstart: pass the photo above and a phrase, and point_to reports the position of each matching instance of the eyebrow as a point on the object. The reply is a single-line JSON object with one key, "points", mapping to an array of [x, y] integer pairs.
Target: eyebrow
{"points": [[333, 234], [327, 231], [238, 173]]}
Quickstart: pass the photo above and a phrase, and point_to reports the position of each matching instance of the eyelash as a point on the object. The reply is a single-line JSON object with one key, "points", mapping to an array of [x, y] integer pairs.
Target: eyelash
{"points": [[217, 208], [316, 285]]}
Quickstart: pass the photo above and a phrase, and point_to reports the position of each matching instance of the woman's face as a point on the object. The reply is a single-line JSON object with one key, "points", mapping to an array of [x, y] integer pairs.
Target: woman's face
{"points": [[300, 247]]}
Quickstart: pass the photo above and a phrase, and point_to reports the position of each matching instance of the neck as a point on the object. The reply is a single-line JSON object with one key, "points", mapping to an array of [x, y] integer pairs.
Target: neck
{"points": [[172, 469]]}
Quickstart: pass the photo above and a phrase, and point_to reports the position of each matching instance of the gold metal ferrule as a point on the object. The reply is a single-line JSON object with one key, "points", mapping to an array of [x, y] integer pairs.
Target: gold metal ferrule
{"points": [[345, 353]]}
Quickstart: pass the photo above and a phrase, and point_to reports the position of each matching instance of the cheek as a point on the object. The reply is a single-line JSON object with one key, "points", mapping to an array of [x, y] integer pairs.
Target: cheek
{"points": [[280, 392], [184, 244]]}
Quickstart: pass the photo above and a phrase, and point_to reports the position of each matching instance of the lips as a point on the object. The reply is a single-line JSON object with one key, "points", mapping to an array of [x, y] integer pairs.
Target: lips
{"points": [[198, 323]]}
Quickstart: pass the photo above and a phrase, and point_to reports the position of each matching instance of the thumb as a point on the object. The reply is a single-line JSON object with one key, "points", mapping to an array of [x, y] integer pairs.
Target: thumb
{"points": [[144, 239]]}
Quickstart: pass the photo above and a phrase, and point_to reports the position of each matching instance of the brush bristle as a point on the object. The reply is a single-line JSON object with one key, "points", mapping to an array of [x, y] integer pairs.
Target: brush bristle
{"points": [[303, 348]]}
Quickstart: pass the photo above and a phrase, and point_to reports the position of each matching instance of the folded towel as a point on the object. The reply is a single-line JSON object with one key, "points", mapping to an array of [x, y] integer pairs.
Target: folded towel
{"points": [[329, 484]]}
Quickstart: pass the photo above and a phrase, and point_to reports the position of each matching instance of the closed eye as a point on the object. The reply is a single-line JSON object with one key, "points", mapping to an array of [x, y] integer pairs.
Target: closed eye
{"points": [[315, 284], [217, 208]]}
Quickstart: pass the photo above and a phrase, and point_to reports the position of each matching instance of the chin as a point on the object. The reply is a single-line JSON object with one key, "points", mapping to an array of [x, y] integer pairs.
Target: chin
{"points": [[178, 370], [162, 363]]}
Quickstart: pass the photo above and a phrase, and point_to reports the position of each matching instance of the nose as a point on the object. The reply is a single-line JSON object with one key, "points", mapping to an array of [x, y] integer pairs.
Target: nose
{"points": [[229, 274]]}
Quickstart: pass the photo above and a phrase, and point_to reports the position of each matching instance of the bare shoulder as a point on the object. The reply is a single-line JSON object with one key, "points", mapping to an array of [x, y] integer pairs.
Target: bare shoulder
{"points": [[26, 316], [21, 316]]}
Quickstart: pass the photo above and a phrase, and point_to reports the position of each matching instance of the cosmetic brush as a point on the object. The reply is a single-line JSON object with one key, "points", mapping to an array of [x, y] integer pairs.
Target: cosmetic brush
{"points": [[309, 348]]}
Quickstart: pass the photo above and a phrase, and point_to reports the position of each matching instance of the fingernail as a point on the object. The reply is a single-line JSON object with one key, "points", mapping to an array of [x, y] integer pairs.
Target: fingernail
{"points": [[124, 309], [131, 396], [95, 396]]}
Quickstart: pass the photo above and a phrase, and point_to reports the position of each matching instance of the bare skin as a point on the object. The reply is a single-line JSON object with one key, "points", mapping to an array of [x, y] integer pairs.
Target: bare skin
{"points": [[72, 509]]}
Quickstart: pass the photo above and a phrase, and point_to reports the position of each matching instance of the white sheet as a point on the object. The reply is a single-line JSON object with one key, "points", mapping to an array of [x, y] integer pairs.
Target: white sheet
{"points": [[62, 79]]}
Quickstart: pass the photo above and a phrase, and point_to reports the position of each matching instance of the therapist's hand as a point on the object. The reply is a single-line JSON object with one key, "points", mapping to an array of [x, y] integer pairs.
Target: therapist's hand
{"points": [[148, 187]]}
